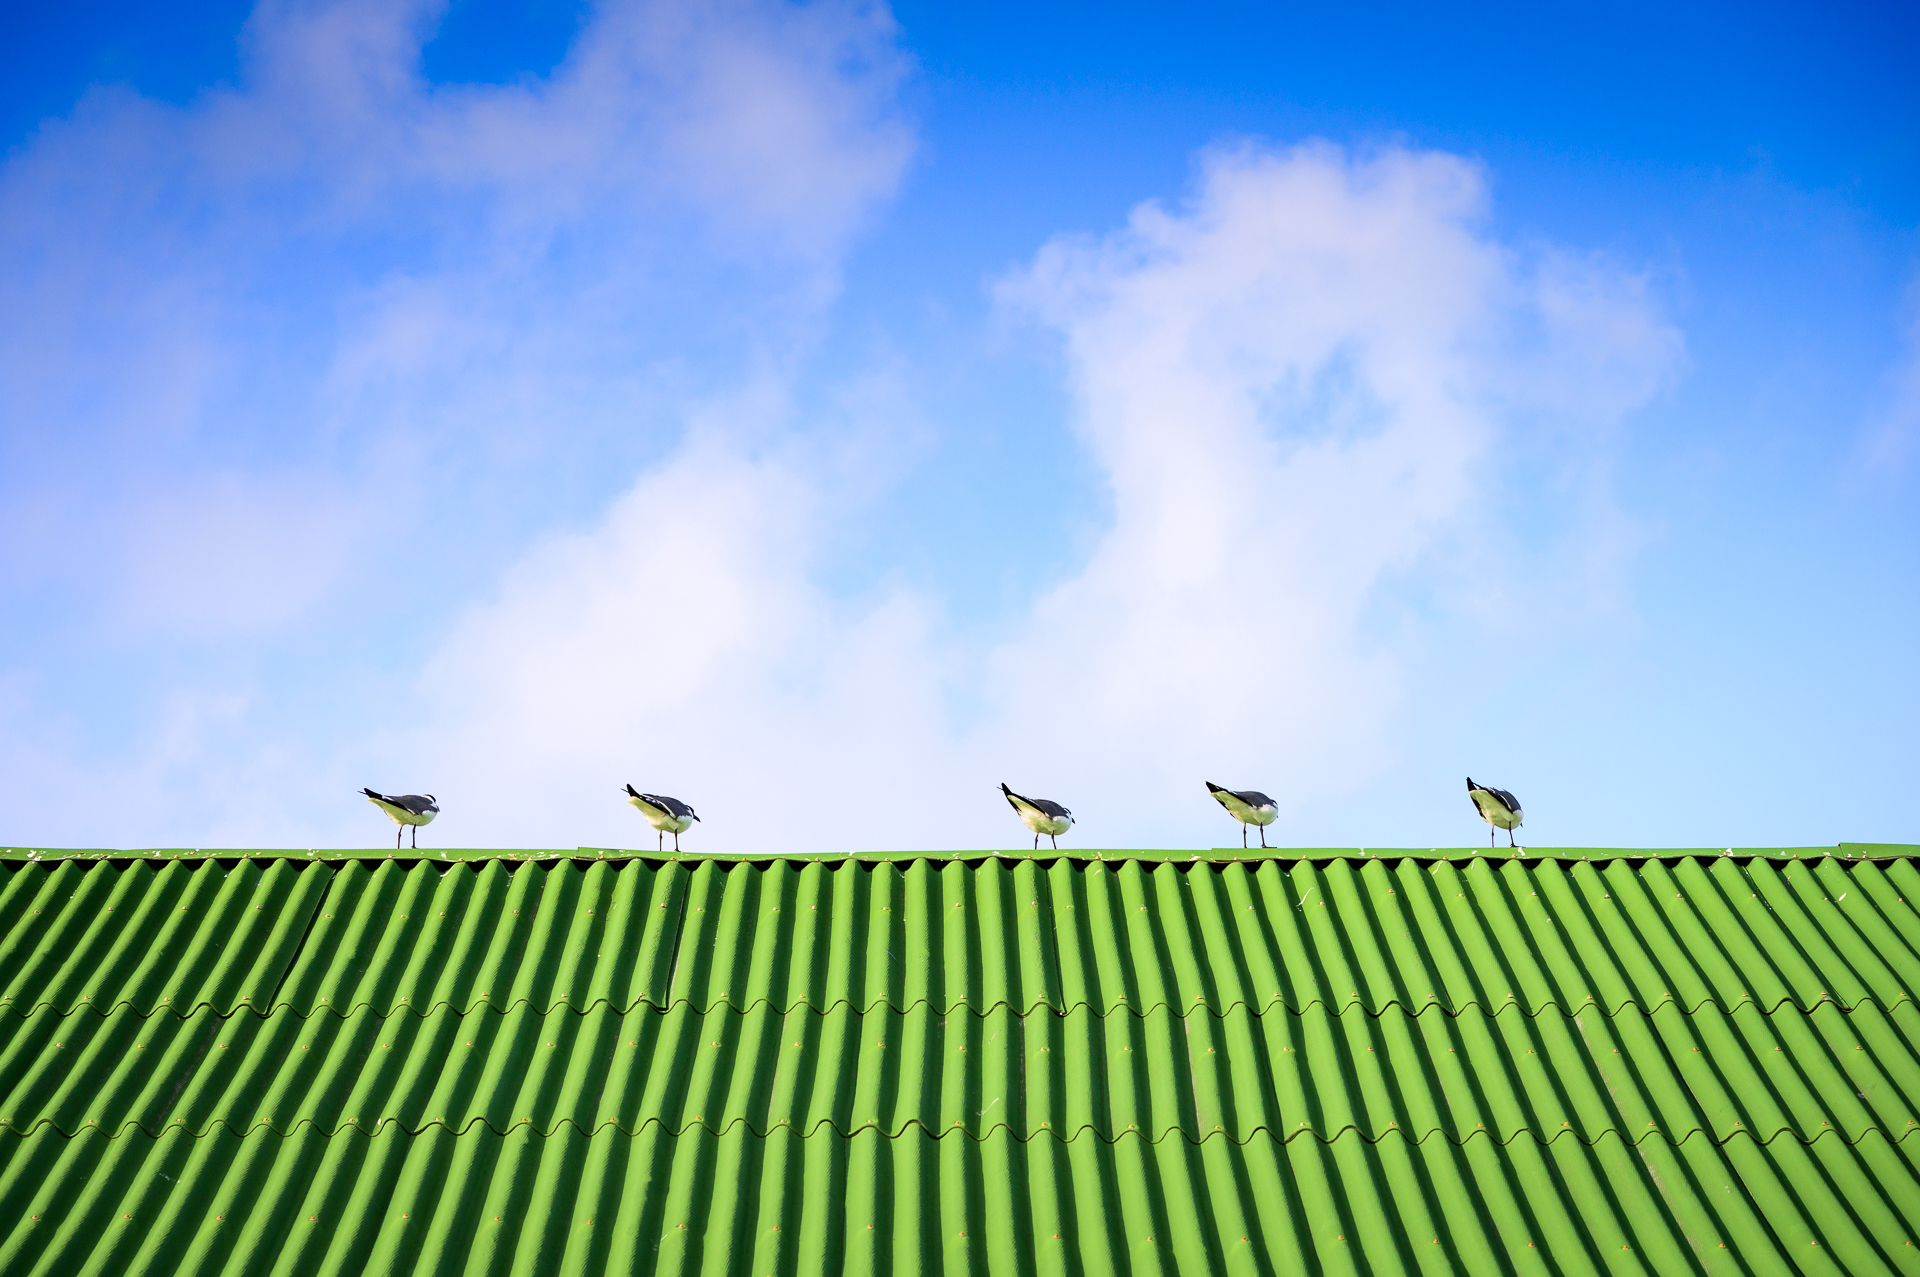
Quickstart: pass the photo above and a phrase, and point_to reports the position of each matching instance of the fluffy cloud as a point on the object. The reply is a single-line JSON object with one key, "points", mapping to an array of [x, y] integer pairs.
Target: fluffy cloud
{"points": [[473, 412], [414, 296], [683, 645], [1302, 388], [1308, 390], [294, 370]]}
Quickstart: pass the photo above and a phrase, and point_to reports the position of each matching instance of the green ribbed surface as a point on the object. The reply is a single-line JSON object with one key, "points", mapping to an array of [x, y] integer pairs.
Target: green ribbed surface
{"points": [[1277, 1066], [1159, 1074], [1487, 935], [1156, 856], [738, 1203]]}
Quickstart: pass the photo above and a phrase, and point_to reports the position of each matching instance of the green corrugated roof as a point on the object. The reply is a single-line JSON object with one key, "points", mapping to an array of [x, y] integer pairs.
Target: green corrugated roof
{"points": [[1590, 1062], [1211, 855]]}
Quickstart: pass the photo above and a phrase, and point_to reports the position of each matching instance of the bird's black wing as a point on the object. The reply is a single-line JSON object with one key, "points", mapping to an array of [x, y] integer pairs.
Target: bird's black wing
{"points": [[1045, 806], [1500, 796], [672, 806], [1254, 798]]}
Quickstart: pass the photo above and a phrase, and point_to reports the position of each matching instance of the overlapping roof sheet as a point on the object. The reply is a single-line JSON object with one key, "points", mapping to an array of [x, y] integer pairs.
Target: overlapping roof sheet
{"points": [[1590, 1063]]}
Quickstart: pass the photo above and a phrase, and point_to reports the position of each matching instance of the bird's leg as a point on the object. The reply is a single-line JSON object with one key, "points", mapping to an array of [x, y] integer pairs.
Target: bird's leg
{"points": [[396, 838], [1056, 841], [676, 842], [416, 837], [1243, 837], [1036, 840], [1490, 837], [659, 840], [1263, 835]]}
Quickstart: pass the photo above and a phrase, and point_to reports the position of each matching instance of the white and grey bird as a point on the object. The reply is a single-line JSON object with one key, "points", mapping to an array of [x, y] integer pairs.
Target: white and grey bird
{"points": [[407, 810], [1042, 815], [1249, 807], [666, 815], [1497, 807]]}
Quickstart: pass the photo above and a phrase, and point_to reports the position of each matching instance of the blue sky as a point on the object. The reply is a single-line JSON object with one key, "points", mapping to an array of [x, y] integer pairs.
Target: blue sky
{"points": [[824, 413]]}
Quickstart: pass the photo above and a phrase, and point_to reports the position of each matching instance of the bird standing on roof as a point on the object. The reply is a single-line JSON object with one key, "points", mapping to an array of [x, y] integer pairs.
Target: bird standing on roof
{"points": [[1497, 807], [1042, 815], [666, 815], [407, 810], [1249, 807]]}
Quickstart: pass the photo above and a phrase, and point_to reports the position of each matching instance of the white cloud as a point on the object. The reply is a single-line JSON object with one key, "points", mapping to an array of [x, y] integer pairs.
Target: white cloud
{"points": [[1305, 389], [411, 293], [288, 370], [1302, 389], [327, 349], [682, 646]]}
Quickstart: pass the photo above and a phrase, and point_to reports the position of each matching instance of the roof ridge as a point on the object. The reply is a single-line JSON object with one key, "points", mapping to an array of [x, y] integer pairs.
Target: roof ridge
{"points": [[1178, 857]]}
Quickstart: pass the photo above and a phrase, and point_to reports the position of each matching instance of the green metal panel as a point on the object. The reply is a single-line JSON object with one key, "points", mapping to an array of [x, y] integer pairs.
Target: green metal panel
{"points": [[1600, 1063], [176, 936], [739, 1203], [1212, 855], [1667, 1073], [1485, 935]]}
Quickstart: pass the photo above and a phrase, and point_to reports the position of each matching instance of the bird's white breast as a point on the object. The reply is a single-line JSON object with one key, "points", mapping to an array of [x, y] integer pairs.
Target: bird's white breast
{"points": [[1041, 823], [1493, 813], [401, 816], [1245, 813], [665, 821]]}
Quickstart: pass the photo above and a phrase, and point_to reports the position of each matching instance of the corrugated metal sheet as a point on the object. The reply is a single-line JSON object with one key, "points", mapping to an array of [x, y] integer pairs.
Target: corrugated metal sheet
{"points": [[1245, 1074], [1488, 935], [1159, 856], [1494, 1065], [738, 1203]]}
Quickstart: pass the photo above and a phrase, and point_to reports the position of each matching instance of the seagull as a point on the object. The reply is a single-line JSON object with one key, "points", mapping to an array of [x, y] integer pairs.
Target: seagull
{"points": [[1249, 807], [1042, 815], [406, 809], [666, 815], [1497, 807]]}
